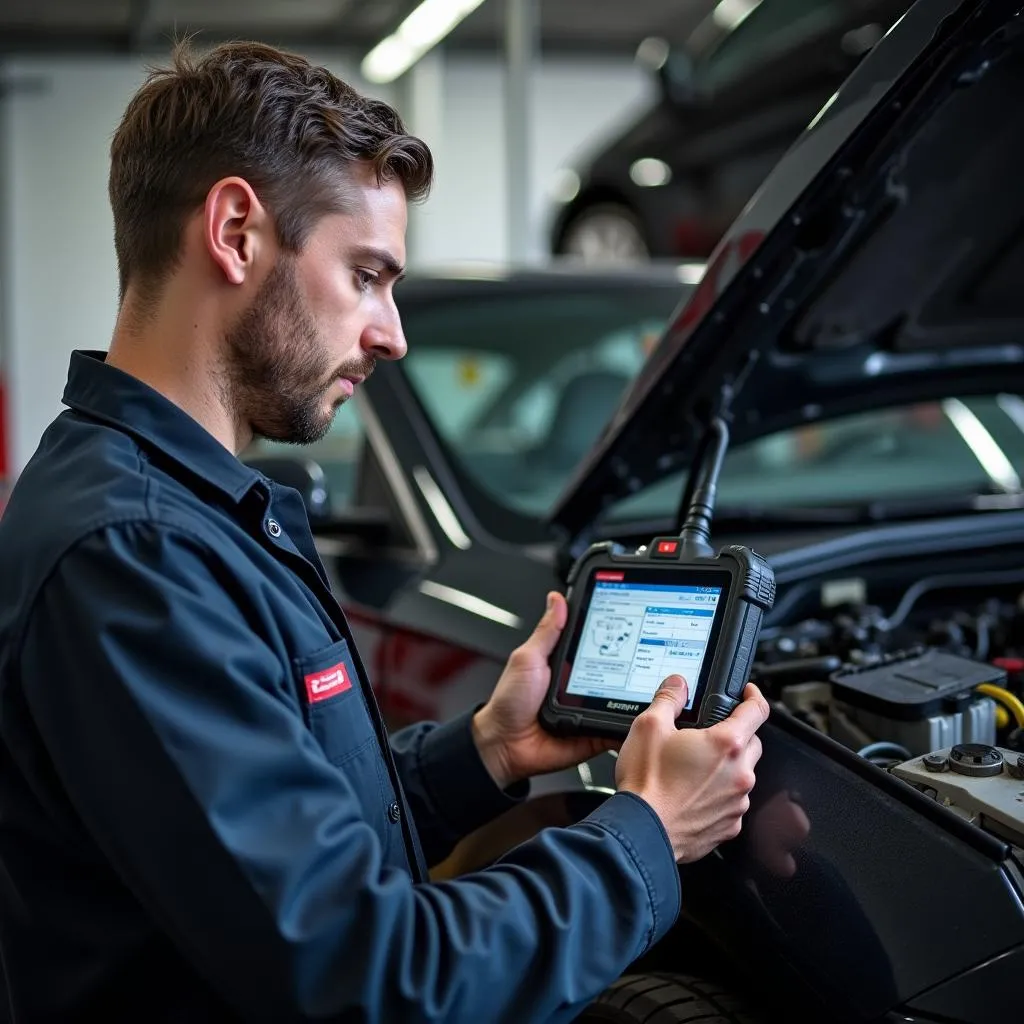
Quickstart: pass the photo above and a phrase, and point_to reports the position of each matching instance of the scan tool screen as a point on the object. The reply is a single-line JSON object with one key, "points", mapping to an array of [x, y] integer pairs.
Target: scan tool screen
{"points": [[634, 634]]}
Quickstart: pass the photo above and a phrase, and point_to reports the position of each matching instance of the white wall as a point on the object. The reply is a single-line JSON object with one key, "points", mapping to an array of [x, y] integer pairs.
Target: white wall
{"points": [[60, 288], [60, 259], [574, 104]]}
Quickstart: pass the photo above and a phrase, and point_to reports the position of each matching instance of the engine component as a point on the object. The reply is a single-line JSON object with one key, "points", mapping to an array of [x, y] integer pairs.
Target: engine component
{"points": [[809, 702], [794, 671], [987, 627], [922, 699], [870, 706], [977, 759], [993, 802]]}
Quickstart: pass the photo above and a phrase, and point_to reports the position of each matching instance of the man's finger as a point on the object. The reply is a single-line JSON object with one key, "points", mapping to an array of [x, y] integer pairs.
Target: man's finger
{"points": [[749, 715], [752, 692], [670, 698], [546, 633]]}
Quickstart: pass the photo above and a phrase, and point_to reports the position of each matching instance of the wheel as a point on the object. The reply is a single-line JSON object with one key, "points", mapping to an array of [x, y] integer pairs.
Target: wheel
{"points": [[606, 233], [667, 999]]}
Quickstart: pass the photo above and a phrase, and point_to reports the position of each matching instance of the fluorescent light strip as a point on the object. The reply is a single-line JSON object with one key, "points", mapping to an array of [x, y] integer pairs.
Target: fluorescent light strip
{"points": [[470, 603], [443, 512], [422, 30], [984, 446]]}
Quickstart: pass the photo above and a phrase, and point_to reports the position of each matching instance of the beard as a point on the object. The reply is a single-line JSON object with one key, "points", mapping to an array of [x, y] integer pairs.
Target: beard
{"points": [[279, 371]]}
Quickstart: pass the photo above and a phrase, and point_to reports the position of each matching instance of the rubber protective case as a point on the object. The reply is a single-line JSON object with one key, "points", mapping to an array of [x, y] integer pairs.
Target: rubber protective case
{"points": [[750, 593]]}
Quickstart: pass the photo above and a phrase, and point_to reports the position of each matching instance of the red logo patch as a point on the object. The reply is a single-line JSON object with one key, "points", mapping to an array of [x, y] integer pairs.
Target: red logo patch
{"points": [[609, 576], [326, 683]]}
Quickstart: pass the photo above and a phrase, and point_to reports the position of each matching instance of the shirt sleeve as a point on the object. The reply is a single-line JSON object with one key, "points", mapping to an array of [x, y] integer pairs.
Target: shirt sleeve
{"points": [[182, 750], [449, 789]]}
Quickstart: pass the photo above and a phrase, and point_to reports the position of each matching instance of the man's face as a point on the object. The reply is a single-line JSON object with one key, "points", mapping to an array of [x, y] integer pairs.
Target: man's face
{"points": [[321, 319]]}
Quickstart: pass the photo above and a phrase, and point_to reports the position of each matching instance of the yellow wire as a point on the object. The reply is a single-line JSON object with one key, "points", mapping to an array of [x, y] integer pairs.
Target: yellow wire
{"points": [[1012, 702], [1002, 717]]}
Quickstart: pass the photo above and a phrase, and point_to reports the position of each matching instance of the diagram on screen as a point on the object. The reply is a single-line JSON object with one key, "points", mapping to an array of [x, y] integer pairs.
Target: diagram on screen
{"points": [[636, 634], [612, 635]]}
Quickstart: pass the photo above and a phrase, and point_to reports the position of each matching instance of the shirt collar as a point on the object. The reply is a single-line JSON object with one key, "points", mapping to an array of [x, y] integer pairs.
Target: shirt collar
{"points": [[106, 393]]}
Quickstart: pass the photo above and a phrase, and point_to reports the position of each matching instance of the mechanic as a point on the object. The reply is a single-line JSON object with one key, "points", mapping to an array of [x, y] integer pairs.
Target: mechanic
{"points": [[202, 815]]}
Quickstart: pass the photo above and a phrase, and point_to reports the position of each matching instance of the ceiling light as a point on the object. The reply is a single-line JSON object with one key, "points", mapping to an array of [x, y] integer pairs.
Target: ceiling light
{"points": [[730, 14], [649, 172], [423, 29]]}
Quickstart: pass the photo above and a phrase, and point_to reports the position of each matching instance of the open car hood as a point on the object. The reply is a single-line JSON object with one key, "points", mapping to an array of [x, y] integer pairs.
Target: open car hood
{"points": [[881, 263]]}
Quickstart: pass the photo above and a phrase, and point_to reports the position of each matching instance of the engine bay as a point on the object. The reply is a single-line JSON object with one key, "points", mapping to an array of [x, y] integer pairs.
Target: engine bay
{"points": [[928, 686]]}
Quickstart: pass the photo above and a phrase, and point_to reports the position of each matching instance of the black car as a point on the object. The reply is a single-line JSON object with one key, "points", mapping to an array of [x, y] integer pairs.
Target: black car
{"points": [[730, 103], [860, 329]]}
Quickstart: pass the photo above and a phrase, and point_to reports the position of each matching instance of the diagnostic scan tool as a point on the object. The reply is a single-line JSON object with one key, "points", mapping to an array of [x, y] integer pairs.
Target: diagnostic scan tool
{"points": [[673, 606]]}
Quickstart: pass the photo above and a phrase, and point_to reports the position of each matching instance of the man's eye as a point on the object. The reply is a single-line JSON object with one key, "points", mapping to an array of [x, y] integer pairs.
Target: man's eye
{"points": [[366, 279]]}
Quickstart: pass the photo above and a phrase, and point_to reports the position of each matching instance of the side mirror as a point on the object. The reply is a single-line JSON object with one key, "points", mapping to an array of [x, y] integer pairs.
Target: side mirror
{"points": [[307, 477]]}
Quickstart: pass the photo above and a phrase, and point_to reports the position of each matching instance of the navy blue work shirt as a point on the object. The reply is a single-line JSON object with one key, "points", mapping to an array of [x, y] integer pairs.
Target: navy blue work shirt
{"points": [[201, 815]]}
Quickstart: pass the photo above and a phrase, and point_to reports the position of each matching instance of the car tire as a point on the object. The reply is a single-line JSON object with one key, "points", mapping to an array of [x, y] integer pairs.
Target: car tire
{"points": [[605, 234], [668, 999]]}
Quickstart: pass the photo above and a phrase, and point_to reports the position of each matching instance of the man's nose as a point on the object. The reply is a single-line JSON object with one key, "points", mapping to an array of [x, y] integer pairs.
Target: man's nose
{"points": [[385, 341]]}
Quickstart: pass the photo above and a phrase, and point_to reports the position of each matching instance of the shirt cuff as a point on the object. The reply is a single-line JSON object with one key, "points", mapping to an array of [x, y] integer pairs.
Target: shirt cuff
{"points": [[633, 822], [461, 787]]}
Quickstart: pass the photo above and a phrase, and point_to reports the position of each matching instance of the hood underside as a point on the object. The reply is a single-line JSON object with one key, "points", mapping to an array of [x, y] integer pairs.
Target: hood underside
{"points": [[881, 263]]}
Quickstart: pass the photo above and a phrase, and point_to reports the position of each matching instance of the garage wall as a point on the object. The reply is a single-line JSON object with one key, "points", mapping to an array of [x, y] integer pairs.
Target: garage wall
{"points": [[61, 282], [59, 260], [575, 103]]}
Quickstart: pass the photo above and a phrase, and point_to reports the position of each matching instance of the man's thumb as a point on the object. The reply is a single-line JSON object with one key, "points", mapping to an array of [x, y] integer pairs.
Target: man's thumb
{"points": [[549, 629], [670, 698]]}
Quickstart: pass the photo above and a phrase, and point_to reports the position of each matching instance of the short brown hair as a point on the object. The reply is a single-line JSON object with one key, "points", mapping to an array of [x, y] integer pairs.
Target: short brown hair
{"points": [[247, 109]]}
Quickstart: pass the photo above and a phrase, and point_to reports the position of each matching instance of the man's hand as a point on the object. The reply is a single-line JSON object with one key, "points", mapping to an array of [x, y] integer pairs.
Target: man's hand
{"points": [[510, 739], [696, 780]]}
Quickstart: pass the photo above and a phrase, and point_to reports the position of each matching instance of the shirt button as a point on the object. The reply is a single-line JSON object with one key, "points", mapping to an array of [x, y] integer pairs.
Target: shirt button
{"points": [[394, 812], [274, 528]]}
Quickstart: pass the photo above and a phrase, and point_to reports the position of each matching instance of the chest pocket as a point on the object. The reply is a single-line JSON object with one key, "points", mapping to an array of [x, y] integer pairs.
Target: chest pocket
{"points": [[341, 724]]}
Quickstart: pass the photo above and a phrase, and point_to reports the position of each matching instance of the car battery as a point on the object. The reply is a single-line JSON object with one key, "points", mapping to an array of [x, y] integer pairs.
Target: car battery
{"points": [[922, 699]]}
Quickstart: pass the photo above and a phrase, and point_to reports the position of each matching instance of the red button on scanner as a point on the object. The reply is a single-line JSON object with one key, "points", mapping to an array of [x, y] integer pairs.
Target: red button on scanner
{"points": [[667, 548]]}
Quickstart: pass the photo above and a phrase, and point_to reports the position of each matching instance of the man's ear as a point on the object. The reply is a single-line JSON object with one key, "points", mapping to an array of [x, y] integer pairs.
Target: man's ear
{"points": [[235, 223]]}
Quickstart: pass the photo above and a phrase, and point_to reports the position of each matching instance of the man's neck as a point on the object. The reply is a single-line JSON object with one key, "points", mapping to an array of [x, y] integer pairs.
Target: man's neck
{"points": [[177, 360]]}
